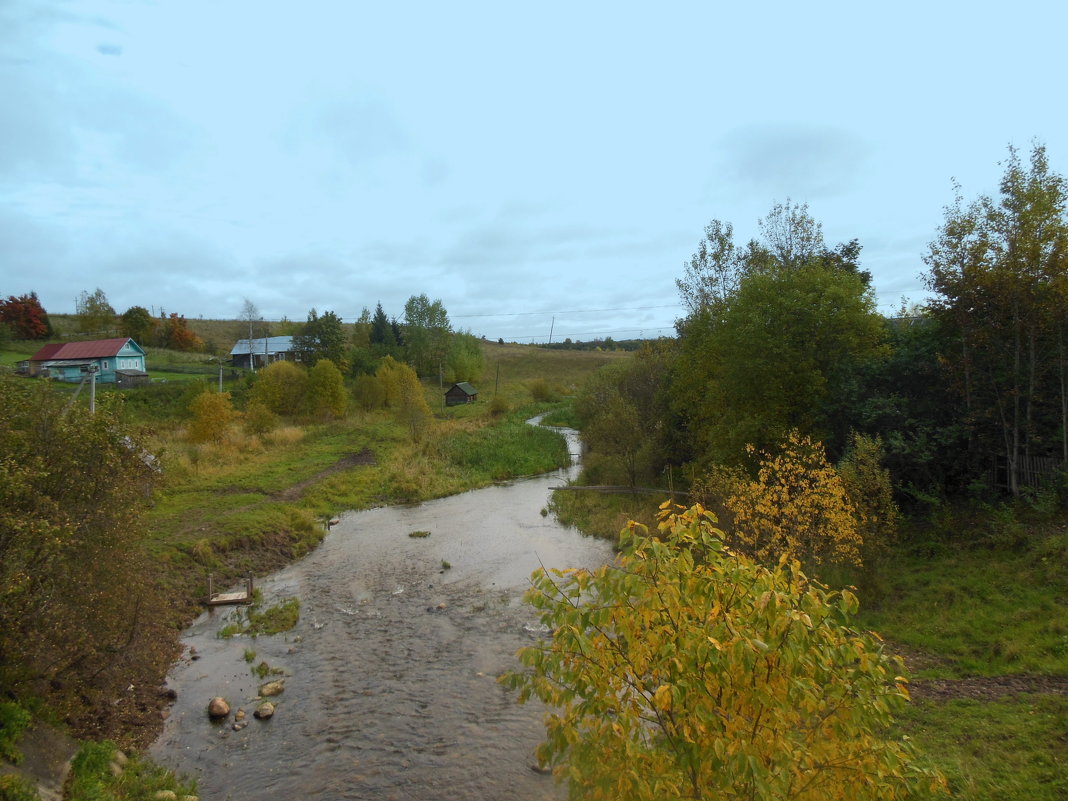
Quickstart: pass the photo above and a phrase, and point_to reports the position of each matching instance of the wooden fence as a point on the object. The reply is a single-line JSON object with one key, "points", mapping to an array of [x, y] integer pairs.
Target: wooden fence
{"points": [[1031, 471]]}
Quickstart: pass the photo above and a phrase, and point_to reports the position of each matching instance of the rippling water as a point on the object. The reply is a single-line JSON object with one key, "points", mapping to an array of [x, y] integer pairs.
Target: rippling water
{"points": [[387, 696]]}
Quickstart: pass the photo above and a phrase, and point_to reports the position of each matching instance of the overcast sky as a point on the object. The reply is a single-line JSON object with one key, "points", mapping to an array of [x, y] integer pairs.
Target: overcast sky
{"points": [[538, 166]]}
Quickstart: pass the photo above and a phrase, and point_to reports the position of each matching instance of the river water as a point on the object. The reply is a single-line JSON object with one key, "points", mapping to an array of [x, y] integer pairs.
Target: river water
{"points": [[390, 675]]}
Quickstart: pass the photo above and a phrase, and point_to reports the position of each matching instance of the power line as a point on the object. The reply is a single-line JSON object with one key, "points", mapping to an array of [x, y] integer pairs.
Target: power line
{"points": [[571, 311]]}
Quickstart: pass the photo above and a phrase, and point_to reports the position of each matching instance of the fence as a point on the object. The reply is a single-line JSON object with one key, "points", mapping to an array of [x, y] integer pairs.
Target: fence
{"points": [[1031, 471]]}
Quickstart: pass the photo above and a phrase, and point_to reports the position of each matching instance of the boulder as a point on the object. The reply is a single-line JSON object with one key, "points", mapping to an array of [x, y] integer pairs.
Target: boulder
{"points": [[273, 688], [264, 711], [218, 708]]}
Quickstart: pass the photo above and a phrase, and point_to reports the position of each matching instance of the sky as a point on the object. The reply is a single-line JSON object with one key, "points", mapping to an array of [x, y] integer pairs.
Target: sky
{"points": [[545, 170]]}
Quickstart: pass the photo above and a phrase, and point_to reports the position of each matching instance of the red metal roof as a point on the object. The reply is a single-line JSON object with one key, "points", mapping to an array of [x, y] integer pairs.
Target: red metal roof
{"points": [[80, 350]]}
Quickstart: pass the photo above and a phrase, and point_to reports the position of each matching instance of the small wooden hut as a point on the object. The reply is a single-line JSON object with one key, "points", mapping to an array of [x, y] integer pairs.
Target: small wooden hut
{"points": [[460, 393]]}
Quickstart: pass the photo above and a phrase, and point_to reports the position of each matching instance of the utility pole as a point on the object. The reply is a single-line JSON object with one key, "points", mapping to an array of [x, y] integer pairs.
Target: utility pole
{"points": [[92, 389], [551, 327]]}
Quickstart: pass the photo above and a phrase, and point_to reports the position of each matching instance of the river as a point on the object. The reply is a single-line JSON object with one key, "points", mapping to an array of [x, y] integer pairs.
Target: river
{"points": [[390, 675]]}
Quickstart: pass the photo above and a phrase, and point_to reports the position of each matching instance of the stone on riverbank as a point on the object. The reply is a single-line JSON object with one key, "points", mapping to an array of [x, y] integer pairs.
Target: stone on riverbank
{"points": [[264, 711], [273, 688]]}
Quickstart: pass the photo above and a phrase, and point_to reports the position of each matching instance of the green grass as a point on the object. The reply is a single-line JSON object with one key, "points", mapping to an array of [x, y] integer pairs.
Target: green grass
{"points": [[1014, 748], [981, 611], [505, 451], [93, 779]]}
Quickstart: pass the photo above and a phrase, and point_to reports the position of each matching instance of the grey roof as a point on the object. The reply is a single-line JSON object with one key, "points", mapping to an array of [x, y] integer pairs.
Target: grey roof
{"points": [[263, 345], [466, 388]]}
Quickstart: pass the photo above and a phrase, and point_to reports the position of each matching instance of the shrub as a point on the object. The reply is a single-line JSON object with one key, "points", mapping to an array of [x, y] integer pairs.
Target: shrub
{"points": [[685, 670]]}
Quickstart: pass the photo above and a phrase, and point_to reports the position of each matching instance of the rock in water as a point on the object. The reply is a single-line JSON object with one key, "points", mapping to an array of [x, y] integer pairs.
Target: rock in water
{"points": [[218, 708], [272, 688], [264, 710]]}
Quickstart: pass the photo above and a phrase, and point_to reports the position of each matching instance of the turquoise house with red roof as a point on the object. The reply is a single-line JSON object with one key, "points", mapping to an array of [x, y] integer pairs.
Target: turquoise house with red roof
{"points": [[118, 360]]}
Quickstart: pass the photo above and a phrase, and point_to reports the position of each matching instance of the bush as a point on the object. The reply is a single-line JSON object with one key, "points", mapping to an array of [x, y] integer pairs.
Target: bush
{"points": [[14, 720], [688, 671]]}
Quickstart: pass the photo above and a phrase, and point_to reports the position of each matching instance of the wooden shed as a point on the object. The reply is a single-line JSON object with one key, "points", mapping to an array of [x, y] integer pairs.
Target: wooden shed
{"points": [[460, 393]]}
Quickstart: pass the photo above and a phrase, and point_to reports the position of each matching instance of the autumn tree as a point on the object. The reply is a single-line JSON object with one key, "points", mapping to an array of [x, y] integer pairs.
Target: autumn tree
{"points": [[73, 591], [25, 317], [325, 394], [138, 324], [211, 415], [95, 315], [175, 334], [280, 387], [402, 392], [687, 670], [797, 507]]}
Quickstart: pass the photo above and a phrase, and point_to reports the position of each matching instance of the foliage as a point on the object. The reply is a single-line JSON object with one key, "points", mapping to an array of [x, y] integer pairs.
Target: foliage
{"points": [[211, 416], [690, 671], [322, 337], [402, 392], [426, 334], [369, 392], [72, 491], [465, 361], [14, 720], [999, 271], [870, 492], [781, 355], [259, 419], [797, 507], [15, 788], [25, 316], [174, 333], [623, 413], [325, 395], [95, 315], [138, 324], [280, 387]]}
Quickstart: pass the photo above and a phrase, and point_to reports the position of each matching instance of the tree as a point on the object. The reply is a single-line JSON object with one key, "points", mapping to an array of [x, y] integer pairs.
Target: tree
{"points": [[95, 314], [782, 355], [280, 387], [73, 594], [251, 322], [465, 361], [426, 334], [797, 507], [685, 670], [322, 337], [175, 334], [402, 392], [361, 330], [624, 416], [713, 271], [25, 316], [138, 324], [211, 415], [1000, 273], [326, 396]]}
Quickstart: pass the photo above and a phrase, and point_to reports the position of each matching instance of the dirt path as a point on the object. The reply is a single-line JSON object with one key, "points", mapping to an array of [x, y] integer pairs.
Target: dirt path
{"points": [[364, 457], [986, 688]]}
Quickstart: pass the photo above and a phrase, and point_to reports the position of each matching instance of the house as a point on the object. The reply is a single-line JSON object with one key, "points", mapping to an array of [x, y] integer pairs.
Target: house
{"points": [[71, 361], [460, 393], [261, 352]]}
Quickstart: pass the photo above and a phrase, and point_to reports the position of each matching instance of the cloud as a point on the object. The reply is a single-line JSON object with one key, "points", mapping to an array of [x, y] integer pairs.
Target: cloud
{"points": [[799, 161], [107, 49]]}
